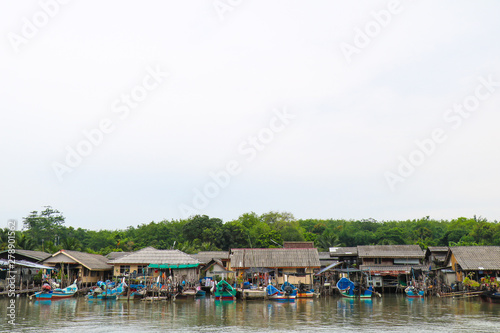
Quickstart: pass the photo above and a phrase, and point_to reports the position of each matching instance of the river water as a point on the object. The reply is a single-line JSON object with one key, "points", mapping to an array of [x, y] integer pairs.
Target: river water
{"points": [[391, 313]]}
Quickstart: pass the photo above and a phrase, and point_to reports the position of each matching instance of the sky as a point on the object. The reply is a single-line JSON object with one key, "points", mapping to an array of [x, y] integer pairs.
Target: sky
{"points": [[119, 113]]}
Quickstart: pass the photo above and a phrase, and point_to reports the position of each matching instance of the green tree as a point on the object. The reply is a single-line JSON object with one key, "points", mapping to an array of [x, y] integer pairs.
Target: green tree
{"points": [[24, 241], [71, 243], [43, 225]]}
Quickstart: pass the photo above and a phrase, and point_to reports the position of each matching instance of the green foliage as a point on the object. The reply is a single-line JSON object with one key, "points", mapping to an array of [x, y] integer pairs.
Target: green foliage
{"points": [[46, 231], [44, 225]]}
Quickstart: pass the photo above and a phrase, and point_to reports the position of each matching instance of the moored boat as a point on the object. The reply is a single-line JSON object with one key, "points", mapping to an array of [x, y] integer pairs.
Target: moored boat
{"points": [[413, 292], [490, 296], [347, 289], [288, 294], [224, 291], [301, 292], [48, 294], [67, 292]]}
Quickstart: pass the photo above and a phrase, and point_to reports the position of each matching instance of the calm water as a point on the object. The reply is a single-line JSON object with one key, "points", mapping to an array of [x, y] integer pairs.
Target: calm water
{"points": [[390, 313]]}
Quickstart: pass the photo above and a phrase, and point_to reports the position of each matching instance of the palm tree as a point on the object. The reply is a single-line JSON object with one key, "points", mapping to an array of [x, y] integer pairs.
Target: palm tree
{"points": [[24, 242], [71, 243], [327, 240]]}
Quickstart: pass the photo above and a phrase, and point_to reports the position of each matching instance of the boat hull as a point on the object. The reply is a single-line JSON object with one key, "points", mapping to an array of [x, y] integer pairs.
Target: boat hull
{"points": [[225, 298], [282, 298], [62, 296], [347, 295], [224, 292], [490, 297], [43, 296]]}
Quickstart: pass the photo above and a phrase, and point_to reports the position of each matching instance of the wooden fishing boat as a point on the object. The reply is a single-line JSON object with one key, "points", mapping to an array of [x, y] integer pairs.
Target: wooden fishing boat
{"points": [[45, 294], [48, 294], [224, 291], [412, 292], [346, 289], [288, 295], [490, 296], [301, 292], [67, 292], [200, 293]]}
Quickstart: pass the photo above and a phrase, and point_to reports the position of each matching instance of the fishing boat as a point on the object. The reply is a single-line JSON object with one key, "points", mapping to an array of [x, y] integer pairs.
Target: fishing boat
{"points": [[67, 292], [288, 294], [347, 289], [45, 293], [106, 290], [224, 291], [413, 292], [490, 296], [48, 294], [199, 292], [301, 292]]}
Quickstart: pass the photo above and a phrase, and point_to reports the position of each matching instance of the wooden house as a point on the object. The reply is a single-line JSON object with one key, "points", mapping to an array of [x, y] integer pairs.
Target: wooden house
{"points": [[204, 257], [348, 255], [214, 264], [26, 255], [435, 256], [294, 264], [479, 261], [152, 262], [390, 266], [27, 265], [86, 267], [298, 245]]}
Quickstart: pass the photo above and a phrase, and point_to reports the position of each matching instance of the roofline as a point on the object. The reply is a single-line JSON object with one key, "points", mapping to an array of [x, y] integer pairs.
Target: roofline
{"points": [[78, 261]]}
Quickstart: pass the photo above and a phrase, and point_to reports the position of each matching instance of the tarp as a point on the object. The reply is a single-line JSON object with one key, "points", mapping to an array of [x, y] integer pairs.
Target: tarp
{"points": [[24, 263], [335, 264], [345, 283], [166, 266]]}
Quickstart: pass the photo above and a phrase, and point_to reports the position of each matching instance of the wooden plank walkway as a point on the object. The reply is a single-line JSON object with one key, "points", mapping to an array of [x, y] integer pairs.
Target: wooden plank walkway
{"points": [[21, 292]]}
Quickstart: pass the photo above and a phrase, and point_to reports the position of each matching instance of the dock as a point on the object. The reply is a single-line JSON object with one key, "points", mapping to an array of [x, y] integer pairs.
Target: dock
{"points": [[251, 294]]}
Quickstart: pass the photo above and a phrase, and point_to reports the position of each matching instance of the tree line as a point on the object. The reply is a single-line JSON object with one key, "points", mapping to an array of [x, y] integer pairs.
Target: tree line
{"points": [[46, 231]]}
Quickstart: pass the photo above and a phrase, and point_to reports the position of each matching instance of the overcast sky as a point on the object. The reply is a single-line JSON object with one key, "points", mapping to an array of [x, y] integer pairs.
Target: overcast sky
{"points": [[119, 113]]}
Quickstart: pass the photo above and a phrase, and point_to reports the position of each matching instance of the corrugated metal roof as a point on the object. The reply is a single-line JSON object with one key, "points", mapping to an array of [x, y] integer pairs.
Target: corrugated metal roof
{"points": [[343, 251], [36, 255], [205, 256], [116, 255], [404, 269], [390, 251], [477, 257], [243, 258], [438, 248], [150, 255]]}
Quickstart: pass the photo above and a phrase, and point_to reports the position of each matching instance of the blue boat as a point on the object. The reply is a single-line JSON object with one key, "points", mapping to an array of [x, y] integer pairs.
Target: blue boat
{"points": [[412, 292], [48, 294], [287, 295], [299, 292], [346, 289]]}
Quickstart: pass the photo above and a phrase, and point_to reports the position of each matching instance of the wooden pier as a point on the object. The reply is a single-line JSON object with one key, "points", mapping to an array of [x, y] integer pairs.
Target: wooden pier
{"points": [[22, 292], [251, 294]]}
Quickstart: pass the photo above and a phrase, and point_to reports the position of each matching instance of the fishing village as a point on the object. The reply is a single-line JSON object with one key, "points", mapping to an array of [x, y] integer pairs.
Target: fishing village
{"points": [[285, 274]]}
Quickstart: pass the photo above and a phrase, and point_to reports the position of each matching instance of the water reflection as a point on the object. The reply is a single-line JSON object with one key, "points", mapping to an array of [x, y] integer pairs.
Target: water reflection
{"points": [[391, 313]]}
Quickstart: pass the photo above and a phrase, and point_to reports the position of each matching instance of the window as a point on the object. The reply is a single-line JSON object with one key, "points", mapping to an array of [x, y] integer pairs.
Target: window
{"points": [[141, 269], [93, 273], [301, 271], [124, 269], [85, 272], [378, 261]]}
